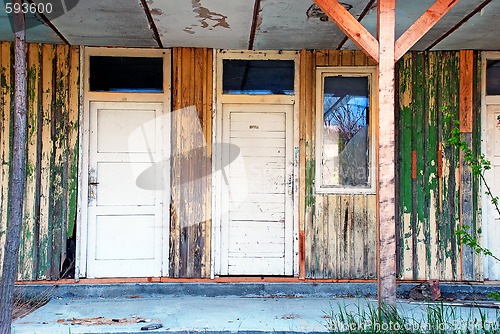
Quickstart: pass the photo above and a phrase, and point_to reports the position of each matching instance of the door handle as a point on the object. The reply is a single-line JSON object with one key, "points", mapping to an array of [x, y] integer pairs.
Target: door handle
{"points": [[92, 184]]}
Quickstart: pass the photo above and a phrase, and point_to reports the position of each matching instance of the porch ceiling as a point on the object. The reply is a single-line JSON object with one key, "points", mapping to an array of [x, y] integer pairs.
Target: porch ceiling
{"points": [[278, 24]]}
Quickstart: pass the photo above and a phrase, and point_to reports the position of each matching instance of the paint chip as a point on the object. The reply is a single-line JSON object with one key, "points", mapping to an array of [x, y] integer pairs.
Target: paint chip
{"points": [[209, 19], [156, 11]]}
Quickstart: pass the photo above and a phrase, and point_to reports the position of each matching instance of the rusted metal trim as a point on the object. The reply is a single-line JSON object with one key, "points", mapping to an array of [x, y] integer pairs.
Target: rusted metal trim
{"points": [[255, 18], [361, 16], [152, 24], [459, 24], [51, 26]]}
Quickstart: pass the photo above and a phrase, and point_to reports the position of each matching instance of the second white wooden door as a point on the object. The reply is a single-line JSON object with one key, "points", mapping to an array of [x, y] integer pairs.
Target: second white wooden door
{"points": [[126, 190], [257, 222], [491, 221]]}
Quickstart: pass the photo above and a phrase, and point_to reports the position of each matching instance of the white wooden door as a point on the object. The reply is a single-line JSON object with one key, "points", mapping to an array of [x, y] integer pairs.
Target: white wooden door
{"points": [[491, 221], [257, 224], [126, 190]]}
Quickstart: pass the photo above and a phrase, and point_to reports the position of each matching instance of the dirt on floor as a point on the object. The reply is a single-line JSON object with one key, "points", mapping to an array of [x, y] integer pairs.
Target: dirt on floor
{"points": [[24, 305]]}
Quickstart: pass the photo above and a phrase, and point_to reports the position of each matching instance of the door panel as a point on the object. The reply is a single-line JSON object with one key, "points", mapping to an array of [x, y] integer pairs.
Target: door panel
{"points": [[491, 223], [257, 231], [125, 222]]}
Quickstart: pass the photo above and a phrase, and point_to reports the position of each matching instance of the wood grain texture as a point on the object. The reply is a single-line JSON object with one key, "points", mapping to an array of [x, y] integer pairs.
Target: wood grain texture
{"points": [[429, 205], [5, 141], [421, 26], [339, 230], [51, 176], [466, 70], [351, 27], [386, 18], [190, 225]]}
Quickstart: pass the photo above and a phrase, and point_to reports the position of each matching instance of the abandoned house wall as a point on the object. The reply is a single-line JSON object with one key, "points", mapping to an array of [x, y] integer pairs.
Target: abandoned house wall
{"points": [[436, 189], [191, 165], [337, 233], [53, 74]]}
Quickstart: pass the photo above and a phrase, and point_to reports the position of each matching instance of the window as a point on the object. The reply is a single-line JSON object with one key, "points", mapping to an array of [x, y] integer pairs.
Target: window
{"points": [[493, 77], [258, 77], [126, 74], [344, 128]]}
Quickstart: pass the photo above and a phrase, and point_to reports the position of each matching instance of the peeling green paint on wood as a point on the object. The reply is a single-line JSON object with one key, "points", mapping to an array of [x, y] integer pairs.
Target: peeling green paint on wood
{"points": [[51, 176], [433, 205]]}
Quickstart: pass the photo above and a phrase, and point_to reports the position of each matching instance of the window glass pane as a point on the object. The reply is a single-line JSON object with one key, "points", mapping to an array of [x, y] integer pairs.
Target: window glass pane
{"points": [[345, 156], [257, 77], [126, 74], [493, 77]]}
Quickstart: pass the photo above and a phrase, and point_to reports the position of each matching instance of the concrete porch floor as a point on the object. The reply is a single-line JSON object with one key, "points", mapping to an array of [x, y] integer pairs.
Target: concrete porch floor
{"points": [[241, 310]]}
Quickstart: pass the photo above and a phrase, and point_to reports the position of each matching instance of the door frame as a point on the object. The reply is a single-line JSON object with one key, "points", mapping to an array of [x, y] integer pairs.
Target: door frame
{"points": [[220, 100], [86, 97], [485, 201]]}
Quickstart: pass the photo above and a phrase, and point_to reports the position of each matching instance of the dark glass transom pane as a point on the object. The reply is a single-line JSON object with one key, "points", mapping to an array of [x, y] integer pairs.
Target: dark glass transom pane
{"points": [[345, 154], [258, 77], [126, 74], [493, 77]]}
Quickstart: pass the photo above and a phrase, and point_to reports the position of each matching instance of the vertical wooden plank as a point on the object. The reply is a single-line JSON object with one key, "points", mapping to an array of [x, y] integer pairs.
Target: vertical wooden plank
{"points": [[405, 166], [332, 260], [360, 59], [318, 238], [72, 128], [347, 58], [198, 139], [60, 162], [6, 101], [371, 242], [174, 175], [466, 68], [358, 236], [448, 243], [466, 75], [476, 147], [346, 225], [334, 58], [430, 175], [45, 243], [310, 161], [186, 128], [207, 186], [28, 239], [418, 142], [302, 163], [321, 57]]}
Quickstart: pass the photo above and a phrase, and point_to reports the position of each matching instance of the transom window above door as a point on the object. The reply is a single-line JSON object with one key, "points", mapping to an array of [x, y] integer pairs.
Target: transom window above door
{"points": [[258, 77], [344, 162], [493, 77], [126, 74]]}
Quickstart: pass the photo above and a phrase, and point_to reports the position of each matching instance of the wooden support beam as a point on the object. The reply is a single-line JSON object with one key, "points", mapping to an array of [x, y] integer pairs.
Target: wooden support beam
{"points": [[422, 26], [350, 26], [466, 89], [386, 154]]}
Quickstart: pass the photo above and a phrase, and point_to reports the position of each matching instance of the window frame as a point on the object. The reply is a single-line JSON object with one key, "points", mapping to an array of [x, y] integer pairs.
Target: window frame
{"points": [[350, 71]]}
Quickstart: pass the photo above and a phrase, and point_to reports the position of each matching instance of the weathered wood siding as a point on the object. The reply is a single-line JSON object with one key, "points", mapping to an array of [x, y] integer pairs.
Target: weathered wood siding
{"points": [[190, 226], [337, 232], [52, 151], [429, 170]]}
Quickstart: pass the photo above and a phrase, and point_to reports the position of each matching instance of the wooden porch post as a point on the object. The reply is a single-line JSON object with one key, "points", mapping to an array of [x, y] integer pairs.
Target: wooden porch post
{"points": [[386, 154], [17, 179]]}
